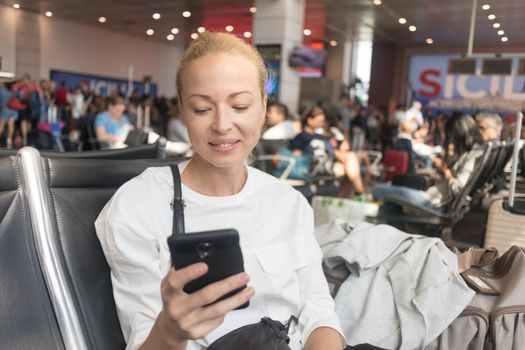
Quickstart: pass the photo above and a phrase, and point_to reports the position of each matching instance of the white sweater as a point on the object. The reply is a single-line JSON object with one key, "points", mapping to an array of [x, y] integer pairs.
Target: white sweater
{"points": [[403, 290], [275, 225]]}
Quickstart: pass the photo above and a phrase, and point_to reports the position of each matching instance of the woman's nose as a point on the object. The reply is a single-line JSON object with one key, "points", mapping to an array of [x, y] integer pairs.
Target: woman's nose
{"points": [[222, 121]]}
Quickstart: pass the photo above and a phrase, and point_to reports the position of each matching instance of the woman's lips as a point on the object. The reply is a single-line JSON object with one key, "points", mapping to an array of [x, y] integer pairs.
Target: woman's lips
{"points": [[224, 146]]}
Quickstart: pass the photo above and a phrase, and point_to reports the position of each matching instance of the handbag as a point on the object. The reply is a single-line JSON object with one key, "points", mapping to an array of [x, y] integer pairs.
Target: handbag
{"points": [[266, 334], [15, 104]]}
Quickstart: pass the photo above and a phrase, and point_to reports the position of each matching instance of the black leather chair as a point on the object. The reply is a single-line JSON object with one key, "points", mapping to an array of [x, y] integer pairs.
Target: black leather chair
{"points": [[77, 191], [436, 221], [149, 151], [27, 318]]}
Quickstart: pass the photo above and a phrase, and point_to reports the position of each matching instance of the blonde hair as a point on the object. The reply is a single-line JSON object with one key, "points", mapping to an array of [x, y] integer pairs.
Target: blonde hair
{"points": [[208, 43]]}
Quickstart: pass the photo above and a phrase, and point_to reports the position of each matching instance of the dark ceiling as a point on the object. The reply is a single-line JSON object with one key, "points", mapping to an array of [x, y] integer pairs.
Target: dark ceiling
{"points": [[445, 21]]}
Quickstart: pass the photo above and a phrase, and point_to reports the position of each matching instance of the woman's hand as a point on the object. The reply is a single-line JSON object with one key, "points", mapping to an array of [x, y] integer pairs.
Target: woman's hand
{"points": [[189, 316]]}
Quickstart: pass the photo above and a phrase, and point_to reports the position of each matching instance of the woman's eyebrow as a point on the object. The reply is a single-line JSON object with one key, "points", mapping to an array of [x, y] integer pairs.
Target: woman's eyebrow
{"points": [[239, 93], [206, 97]]}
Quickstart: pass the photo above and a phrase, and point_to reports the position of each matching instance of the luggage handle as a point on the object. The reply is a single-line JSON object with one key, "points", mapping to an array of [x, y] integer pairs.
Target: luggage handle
{"points": [[515, 155]]}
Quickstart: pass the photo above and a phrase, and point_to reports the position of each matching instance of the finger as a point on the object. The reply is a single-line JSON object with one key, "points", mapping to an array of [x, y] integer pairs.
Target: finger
{"points": [[214, 291], [222, 307], [175, 280]]}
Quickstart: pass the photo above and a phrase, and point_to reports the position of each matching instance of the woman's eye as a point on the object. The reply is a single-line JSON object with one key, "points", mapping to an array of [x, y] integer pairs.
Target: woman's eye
{"points": [[240, 108], [200, 110]]}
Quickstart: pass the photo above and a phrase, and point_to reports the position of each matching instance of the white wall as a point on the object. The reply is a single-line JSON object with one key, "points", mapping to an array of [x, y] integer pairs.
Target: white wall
{"points": [[7, 38], [79, 48]]}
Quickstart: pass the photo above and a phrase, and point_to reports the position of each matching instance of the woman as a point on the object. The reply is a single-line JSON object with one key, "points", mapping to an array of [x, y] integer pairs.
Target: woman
{"points": [[7, 115], [464, 143], [337, 155], [112, 126], [220, 83]]}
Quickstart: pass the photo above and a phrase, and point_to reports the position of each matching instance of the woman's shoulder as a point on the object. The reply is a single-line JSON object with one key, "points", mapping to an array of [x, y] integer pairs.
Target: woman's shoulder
{"points": [[264, 183], [143, 189]]}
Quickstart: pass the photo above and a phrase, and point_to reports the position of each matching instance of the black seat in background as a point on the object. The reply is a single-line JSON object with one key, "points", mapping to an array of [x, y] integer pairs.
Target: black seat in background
{"points": [[149, 151], [78, 190], [27, 319]]}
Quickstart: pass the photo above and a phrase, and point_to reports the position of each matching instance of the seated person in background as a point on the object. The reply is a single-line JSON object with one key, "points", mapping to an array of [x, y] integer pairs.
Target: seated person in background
{"points": [[490, 126], [333, 158], [416, 149], [279, 126], [220, 84], [177, 130], [464, 138], [112, 126]]}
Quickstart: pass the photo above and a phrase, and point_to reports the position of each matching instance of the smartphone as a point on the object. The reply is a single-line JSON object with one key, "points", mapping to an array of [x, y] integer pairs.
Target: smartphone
{"points": [[219, 249]]}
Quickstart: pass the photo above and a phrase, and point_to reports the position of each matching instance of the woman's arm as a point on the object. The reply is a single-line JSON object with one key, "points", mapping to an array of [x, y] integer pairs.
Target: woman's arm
{"points": [[324, 338], [102, 136]]}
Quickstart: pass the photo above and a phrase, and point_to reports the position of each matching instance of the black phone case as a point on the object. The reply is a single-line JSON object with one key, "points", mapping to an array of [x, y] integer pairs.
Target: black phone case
{"points": [[219, 249]]}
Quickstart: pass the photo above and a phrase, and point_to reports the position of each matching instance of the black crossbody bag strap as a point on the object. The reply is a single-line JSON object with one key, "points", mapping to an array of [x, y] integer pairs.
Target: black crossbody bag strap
{"points": [[178, 203]]}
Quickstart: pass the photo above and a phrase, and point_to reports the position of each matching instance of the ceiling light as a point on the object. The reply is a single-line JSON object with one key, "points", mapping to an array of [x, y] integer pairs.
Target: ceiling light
{"points": [[170, 37], [49, 14], [194, 36], [501, 32], [229, 28], [429, 41], [16, 6], [333, 43], [412, 28], [307, 32], [186, 14], [174, 30], [156, 15], [201, 29], [253, 9], [247, 35], [402, 20], [150, 32], [486, 7], [492, 16], [102, 19], [377, 2], [504, 38], [496, 25]]}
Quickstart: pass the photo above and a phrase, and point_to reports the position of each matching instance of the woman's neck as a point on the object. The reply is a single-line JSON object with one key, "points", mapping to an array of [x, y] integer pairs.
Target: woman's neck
{"points": [[309, 129], [209, 180]]}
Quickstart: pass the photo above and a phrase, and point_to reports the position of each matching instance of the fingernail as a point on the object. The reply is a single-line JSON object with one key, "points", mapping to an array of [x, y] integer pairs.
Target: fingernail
{"points": [[249, 291], [244, 277]]}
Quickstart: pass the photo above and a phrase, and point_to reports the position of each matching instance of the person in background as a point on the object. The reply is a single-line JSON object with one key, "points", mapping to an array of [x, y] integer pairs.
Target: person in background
{"points": [[25, 89], [279, 126], [112, 126], [464, 145], [347, 113], [329, 154], [490, 126], [7, 116], [177, 130], [414, 115], [76, 99]]}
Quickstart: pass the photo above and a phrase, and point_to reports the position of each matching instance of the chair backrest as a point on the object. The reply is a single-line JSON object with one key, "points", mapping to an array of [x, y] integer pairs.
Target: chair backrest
{"points": [[78, 192], [395, 163], [27, 318], [462, 200], [493, 162], [149, 151]]}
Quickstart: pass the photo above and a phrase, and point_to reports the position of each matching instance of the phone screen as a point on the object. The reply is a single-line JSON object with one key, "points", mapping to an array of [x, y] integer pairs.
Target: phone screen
{"points": [[219, 249]]}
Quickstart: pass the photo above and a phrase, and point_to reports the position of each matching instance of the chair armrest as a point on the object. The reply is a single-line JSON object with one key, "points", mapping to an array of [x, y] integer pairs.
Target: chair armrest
{"points": [[417, 181], [291, 163]]}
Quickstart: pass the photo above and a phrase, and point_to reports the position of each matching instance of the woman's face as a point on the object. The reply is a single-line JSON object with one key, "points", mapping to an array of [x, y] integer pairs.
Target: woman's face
{"points": [[222, 108], [317, 122], [116, 110]]}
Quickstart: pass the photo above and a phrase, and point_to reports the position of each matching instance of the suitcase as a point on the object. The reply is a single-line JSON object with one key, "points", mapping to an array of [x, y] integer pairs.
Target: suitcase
{"points": [[506, 220], [395, 163]]}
